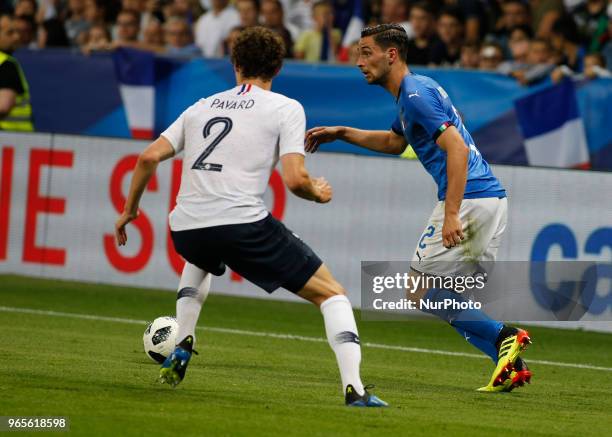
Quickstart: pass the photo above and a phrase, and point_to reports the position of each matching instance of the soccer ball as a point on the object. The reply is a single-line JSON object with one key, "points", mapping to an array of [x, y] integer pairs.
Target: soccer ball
{"points": [[160, 338]]}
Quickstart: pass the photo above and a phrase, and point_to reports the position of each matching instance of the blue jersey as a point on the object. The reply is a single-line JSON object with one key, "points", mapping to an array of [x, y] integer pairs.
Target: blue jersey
{"points": [[424, 112]]}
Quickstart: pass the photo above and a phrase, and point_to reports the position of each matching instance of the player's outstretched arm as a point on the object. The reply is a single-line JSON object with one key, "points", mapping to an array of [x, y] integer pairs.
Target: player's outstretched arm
{"points": [[300, 183], [156, 152], [377, 140]]}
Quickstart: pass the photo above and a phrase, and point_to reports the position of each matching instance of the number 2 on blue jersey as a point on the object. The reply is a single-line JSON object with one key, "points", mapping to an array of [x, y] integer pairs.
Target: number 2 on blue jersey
{"points": [[199, 163]]}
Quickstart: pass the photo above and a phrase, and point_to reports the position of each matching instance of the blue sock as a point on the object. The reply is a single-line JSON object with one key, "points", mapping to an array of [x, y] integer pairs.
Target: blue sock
{"points": [[469, 320], [484, 346]]}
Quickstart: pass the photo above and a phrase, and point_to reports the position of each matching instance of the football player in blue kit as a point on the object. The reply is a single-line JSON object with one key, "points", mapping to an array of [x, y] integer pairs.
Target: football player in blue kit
{"points": [[467, 192]]}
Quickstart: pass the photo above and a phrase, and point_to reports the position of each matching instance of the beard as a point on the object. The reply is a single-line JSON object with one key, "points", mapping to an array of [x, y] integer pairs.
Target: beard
{"points": [[379, 80]]}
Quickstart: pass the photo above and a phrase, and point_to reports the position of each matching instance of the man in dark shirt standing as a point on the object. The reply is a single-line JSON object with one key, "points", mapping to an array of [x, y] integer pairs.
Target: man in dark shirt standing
{"points": [[447, 50], [423, 22], [15, 108]]}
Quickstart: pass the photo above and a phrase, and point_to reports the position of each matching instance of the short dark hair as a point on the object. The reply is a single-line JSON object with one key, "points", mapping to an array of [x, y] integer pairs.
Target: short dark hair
{"points": [[256, 3], [453, 11], [135, 14], [389, 35], [258, 53], [566, 27], [526, 29], [522, 3], [28, 19], [426, 7], [278, 3]]}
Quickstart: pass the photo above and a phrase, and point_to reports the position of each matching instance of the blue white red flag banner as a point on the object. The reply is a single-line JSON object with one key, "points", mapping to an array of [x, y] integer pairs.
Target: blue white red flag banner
{"points": [[135, 72], [552, 127]]}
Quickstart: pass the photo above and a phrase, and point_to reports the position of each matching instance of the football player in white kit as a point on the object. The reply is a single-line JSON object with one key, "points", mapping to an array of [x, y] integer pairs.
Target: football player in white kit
{"points": [[232, 142]]}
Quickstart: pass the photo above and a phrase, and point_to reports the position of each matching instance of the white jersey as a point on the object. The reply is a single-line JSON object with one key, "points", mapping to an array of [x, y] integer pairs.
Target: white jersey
{"points": [[232, 142]]}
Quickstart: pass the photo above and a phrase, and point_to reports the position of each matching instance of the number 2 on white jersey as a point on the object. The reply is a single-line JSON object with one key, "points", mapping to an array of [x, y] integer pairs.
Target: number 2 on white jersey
{"points": [[199, 163]]}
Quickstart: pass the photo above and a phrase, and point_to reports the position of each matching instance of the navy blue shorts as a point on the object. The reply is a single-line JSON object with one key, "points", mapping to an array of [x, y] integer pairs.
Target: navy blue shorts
{"points": [[264, 252]]}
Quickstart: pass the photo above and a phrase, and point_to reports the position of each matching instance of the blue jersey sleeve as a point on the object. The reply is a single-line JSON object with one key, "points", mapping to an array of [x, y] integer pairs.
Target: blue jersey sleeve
{"points": [[397, 127], [427, 110]]}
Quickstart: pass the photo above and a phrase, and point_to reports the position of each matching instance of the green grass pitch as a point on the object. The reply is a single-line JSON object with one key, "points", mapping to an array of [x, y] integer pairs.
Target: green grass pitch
{"points": [[96, 373]]}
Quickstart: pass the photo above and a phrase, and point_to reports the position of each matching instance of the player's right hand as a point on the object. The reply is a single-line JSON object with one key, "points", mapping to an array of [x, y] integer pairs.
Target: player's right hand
{"points": [[320, 135], [120, 224], [324, 190]]}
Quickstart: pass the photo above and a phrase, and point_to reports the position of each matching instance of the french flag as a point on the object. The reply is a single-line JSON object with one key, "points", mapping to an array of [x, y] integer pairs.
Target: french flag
{"points": [[552, 127], [353, 31], [135, 71]]}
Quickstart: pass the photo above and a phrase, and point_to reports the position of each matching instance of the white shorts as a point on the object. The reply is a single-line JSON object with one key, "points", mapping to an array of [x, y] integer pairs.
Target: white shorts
{"points": [[484, 222]]}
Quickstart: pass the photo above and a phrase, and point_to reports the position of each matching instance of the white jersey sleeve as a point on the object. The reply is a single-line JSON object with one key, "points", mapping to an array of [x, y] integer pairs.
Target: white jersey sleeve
{"points": [[176, 132], [292, 128]]}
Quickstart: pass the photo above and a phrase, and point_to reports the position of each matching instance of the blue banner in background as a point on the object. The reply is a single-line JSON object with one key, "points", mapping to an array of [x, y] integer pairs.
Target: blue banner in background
{"points": [[73, 93]]}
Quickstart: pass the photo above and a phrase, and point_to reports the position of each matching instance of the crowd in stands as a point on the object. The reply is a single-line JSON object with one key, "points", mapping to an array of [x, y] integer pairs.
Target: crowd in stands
{"points": [[528, 40]]}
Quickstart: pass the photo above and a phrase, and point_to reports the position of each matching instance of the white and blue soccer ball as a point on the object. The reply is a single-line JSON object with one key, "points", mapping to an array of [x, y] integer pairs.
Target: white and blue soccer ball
{"points": [[160, 338]]}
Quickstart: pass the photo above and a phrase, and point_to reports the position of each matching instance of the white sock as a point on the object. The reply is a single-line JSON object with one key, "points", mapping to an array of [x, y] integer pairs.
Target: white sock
{"points": [[343, 338], [192, 292]]}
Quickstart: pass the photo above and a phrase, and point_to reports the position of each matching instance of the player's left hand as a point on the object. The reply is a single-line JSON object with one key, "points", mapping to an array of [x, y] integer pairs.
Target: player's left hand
{"points": [[122, 221], [452, 231], [324, 190], [320, 135]]}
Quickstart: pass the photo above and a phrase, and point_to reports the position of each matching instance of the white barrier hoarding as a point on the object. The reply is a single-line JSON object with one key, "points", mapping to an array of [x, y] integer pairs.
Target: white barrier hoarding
{"points": [[60, 196]]}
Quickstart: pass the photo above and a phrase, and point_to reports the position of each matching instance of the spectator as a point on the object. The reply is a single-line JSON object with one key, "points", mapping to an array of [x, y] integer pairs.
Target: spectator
{"points": [[447, 50], [299, 16], [15, 108], [538, 66], [187, 9], [25, 8], [491, 56], [25, 26], [565, 39], [98, 38], [594, 67], [248, 10], [540, 62], [228, 44], [518, 43], [422, 21], [76, 25], [213, 27], [95, 12], [153, 34], [372, 12], [142, 8], [470, 56], [323, 41], [273, 18], [592, 20], [514, 13], [128, 27], [179, 38], [474, 15], [544, 14], [397, 12], [50, 9], [531, 60], [540, 52], [154, 13], [52, 33]]}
